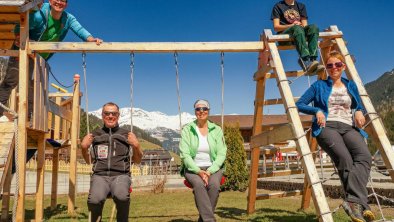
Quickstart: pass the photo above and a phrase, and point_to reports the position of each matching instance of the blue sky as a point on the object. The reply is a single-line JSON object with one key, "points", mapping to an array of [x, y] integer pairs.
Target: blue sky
{"points": [[366, 25]]}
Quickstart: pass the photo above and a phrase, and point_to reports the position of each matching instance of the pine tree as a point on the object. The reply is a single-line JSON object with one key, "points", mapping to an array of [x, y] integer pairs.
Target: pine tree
{"points": [[237, 173]]}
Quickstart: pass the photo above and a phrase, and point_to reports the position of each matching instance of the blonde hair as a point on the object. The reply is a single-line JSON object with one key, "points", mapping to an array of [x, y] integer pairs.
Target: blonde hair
{"points": [[335, 54]]}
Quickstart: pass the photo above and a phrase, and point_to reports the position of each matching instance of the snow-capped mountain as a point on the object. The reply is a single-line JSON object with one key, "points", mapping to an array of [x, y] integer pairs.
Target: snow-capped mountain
{"points": [[150, 120]]}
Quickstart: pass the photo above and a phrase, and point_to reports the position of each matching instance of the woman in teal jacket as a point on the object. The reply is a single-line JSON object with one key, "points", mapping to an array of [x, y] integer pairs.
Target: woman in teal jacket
{"points": [[338, 112], [203, 152]]}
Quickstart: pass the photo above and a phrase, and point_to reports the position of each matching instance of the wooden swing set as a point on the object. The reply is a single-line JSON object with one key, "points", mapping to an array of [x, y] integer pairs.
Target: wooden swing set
{"points": [[66, 108]]}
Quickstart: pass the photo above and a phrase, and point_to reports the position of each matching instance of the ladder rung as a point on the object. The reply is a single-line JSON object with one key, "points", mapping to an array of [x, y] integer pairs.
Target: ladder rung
{"points": [[323, 35], [277, 101], [280, 173], [9, 17], [278, 195]]}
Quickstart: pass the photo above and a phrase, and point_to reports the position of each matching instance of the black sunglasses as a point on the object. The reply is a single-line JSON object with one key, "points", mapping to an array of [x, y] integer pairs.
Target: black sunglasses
{"points": [[336, 64], [110, 113], [201, 109]]}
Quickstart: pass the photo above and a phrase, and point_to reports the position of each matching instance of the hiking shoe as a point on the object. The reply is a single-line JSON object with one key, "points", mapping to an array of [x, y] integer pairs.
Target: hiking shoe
{"points": [[368, 215], [354, 210], [309, 67], [320, 68]]}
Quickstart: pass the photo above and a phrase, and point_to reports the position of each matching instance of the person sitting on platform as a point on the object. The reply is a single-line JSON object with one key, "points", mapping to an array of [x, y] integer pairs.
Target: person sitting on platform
{"points": [[290, 17], [203, 152], [48, 24], [110, 150], [338, 112]]}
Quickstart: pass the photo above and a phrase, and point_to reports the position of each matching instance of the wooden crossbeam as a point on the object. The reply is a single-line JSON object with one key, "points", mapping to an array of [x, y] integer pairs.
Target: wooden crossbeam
{"points": [[7, 27], [323, 35], [278, 173], [278, 195], [271, 151], [60, 111], [7, 36], [147, 47], [6, 44], [279, 134], [9, 18], [277, 101]]}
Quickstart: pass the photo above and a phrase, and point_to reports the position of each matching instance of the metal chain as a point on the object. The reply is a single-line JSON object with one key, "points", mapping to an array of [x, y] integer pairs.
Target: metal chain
{"points": [[177, 89], [131, 100], [222, 69], [54, 77], [86, 92]]}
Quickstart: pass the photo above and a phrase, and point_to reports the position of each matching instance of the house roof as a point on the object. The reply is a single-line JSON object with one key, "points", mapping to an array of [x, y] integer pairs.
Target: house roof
{"points": [[246, 121], [156, 155]]}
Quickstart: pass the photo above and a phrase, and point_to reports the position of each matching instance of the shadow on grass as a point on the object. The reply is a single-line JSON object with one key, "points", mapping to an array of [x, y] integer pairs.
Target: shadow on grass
{"points": [[164, 217], [268, 214], [59, 210]]}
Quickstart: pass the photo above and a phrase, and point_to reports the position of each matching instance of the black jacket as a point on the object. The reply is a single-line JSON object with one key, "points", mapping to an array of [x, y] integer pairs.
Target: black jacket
{"points": [[111, 152]]}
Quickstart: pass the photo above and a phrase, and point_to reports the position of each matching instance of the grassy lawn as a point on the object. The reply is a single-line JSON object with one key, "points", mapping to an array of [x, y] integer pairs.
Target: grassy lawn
{"points": [[178, 206]]}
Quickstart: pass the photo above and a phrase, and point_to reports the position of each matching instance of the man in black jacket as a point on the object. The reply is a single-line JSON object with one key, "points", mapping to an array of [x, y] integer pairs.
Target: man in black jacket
{"points": [[110, 153]]}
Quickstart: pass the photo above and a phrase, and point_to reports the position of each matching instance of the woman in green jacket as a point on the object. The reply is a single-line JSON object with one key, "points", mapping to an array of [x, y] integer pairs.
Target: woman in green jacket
{"points": [[203, 152]]}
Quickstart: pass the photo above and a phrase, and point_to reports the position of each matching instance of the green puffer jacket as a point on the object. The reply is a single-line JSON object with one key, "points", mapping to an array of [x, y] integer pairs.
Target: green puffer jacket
{"points": [[189, 144]]}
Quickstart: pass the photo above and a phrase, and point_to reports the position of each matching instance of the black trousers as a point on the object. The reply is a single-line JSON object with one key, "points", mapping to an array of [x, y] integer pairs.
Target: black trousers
{"points": [[346, 147], [116, 186]]}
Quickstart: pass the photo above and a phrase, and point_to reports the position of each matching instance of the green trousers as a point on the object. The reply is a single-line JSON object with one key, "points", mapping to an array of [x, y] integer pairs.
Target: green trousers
{"points": [[305, 39]]}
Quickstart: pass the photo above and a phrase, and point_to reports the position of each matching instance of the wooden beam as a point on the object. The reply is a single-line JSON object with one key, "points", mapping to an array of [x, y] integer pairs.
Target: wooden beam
{"points": [[10, 18], [6, 52], [278, 173], [55, 159], [22, 114], [9, 9], [279, 195], [282, 133], [59, 111], [40, 178], [7, 36], [323, 35], [147, 47], [277, 101], [29, 5], [57, 94], [7, 27], [6, 44], [73, 149]]}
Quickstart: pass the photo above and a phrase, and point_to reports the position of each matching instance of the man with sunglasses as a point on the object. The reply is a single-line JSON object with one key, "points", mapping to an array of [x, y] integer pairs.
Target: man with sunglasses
{"points": [[111, 148], [290, 17]]}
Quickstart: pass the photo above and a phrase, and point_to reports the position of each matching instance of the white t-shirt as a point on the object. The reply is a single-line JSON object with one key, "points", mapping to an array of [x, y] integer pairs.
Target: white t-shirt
{"points": [[339, 106], [202, 158]]}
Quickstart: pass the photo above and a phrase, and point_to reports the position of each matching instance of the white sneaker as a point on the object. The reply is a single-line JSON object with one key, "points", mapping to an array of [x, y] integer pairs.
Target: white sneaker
{"points": [[4, 119]]}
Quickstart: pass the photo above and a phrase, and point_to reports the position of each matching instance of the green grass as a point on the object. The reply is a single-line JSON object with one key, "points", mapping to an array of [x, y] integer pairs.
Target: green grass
{"points": [[178, 206]]}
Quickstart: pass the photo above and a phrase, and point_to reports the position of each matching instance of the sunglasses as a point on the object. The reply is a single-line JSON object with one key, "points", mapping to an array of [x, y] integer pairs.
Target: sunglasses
{"points": [[336, 64], [110, 113], [201, 109]]}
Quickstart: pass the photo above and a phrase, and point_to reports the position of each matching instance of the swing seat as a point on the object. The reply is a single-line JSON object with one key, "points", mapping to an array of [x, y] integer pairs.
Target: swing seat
{"points": [[187, 184]]}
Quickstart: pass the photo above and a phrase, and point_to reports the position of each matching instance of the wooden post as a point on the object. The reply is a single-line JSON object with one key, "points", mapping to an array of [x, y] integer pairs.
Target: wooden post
{"points": [[73, 149], [22, 113], [55, 160], [302, 143], [40, 177], [257, 128], [7, 185], [307, 191]]}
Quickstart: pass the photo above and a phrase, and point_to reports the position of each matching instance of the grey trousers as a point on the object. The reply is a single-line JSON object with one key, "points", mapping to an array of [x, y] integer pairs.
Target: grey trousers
{"points": [[346, 147], [116, 186], [11, 80], [207, 197]]}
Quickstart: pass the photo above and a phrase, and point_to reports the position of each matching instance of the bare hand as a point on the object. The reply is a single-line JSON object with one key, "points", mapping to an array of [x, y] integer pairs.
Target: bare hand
{"points": [[297, 23], [87, 141], [132, 139], [359, 119], [204, 176], [96, 40], [321, 119]]}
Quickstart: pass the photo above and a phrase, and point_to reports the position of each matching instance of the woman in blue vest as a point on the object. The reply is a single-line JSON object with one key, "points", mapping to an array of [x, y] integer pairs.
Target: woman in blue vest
{"points": [[339, 117]]}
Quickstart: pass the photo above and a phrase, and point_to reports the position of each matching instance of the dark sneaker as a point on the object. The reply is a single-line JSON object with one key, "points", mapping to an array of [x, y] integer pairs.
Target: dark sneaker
{"points": [[320, 68], [354, 210], [311, 67], [368, 215]]}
